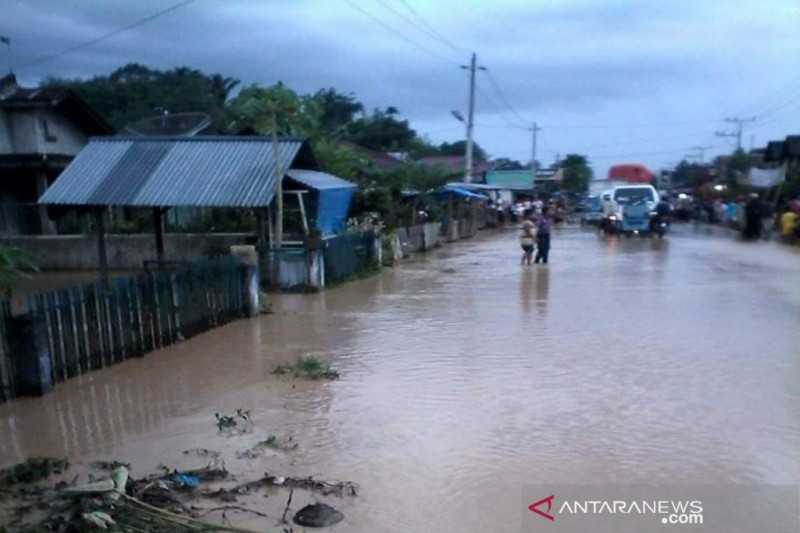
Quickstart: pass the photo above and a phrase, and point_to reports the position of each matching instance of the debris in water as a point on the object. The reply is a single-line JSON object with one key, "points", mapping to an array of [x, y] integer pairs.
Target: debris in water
{"points": [[273, 442], [339, 488], [318, 515], [239, 421], [33, 470], [309, 367], [98, 519], [202, 452]]}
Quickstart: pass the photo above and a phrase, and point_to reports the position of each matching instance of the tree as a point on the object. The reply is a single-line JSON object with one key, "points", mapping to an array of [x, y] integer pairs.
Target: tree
{"points": [[337, 109], [381, 131], [577, 173], [504, 163], [738, 167], [460, 148], [134, 92]]}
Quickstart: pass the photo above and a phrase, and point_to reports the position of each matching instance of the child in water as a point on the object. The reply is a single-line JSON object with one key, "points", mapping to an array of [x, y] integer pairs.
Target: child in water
{"points": [[527, 238]]}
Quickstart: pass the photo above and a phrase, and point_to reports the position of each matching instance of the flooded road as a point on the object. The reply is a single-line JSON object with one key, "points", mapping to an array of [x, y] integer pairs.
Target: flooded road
{"points": [[466, 377]]}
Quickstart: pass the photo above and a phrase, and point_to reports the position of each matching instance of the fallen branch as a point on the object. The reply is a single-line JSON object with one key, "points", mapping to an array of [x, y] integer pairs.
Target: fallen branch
{"points": [[183, 520], [229, 508], [338, 488], [286, 509]]}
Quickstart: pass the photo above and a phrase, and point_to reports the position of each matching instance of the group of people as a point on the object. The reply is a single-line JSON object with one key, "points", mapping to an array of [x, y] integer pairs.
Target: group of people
{"points": [[535, 236]]}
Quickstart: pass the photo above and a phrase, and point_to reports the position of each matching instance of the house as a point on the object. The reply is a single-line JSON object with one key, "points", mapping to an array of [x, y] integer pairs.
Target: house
{"points": [[41, 130], [511, 183], [785, 151], [454, 166]]}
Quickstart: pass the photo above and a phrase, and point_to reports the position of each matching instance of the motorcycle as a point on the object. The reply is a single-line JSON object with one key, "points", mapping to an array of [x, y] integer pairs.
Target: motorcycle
{"points": [[659, 225]]}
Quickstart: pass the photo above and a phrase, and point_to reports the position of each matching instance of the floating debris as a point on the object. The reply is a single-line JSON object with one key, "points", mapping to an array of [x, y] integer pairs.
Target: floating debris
{"points": [[33, 470], [309, 367]]}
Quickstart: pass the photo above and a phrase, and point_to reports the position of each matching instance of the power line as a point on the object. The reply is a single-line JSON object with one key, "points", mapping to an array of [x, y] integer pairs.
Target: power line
{"points": [[503, 98], [397, 32], [432, 30], [140, 22], [413, 23]]}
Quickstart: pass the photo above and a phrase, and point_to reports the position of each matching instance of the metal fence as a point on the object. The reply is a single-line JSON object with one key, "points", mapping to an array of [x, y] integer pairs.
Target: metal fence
{"points": [[348, 255], [92, 326]]}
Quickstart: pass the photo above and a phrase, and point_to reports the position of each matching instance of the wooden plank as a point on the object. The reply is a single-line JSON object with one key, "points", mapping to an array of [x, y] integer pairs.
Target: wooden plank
{"points": [[121, 304], [83, 328], [58, 330], [98, 324]]}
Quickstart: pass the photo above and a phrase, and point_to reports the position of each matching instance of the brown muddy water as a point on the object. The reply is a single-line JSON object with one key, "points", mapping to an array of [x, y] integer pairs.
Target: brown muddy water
{"points": [[466, 378]]}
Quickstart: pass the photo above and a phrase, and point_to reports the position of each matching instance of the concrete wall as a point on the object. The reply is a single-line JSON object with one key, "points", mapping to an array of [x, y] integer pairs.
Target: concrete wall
{"points": [[125, 252], [22, 132]]}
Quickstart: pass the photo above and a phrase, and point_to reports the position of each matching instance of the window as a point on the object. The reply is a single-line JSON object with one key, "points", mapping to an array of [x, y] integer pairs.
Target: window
{"points": [[48, 137]]}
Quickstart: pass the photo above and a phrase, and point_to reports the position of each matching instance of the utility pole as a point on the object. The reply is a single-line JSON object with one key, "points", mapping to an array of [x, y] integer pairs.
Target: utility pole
{"points": [[740, 122], [278, 182], [472, 67], [534, 129], [7, 41]]}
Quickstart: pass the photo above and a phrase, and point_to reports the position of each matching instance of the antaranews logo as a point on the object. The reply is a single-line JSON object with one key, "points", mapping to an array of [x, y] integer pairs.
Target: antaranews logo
{"points": [[671, 512], [535, 507]]}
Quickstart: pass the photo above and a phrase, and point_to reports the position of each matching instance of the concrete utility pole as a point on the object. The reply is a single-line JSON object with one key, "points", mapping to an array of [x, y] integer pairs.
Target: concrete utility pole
{"points": [[472, 67], [534, 129], [740, 122], [278, 182]]}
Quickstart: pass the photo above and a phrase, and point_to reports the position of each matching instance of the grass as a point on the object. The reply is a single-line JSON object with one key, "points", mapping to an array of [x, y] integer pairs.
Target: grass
{"points": [[308, 367]]}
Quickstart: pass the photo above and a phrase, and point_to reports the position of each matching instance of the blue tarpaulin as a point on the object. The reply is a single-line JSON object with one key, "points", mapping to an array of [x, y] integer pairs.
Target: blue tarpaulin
{"points": [[329, 201], [459, 192]]}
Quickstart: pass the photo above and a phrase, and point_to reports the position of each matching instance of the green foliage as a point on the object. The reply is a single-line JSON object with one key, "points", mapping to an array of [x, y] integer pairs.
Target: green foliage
{"points": [[308, 367], [14, 263], [336, 159], [134, 92], [337, 110], [32, 470], [381, 131], [738, 167], [253, 108], [460, 147], [577, 173]]}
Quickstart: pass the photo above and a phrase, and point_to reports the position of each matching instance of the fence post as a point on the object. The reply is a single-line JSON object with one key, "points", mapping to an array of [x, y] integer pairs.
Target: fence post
{"points": [[27, 338], [248, 255]]}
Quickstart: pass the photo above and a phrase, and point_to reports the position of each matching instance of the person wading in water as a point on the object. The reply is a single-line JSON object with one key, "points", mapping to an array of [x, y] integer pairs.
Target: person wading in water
{"points": [[527, 237], [543, 236]]}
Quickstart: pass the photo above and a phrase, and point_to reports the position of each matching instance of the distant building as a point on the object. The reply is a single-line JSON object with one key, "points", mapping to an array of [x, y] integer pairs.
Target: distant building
{"points": [[41, 130], [455, 166], [511, 183]]}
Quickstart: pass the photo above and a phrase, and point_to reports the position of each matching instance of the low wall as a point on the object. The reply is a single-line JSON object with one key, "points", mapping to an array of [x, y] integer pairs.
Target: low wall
{"points": [[125, 252], [431, 234]]}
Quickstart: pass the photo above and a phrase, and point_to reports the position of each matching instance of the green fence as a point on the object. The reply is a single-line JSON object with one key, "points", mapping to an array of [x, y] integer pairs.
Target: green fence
{"points": [[348, 255], [88, 327]]}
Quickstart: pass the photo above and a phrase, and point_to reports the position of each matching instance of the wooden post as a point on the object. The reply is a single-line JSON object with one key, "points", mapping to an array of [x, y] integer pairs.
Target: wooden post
{"points": [[158, 225], [102, 255]]}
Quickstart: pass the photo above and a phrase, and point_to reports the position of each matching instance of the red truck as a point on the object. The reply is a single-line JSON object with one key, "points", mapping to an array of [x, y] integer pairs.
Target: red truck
{"points": [[630, 173]]}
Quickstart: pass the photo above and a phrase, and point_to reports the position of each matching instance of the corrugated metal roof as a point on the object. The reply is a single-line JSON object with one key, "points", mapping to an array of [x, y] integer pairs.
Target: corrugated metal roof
{"points": [[173, 171], [319, 180]]}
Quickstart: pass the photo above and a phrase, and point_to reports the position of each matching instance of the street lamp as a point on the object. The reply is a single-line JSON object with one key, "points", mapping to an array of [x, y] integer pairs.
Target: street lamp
{"points": [[458, 115]]}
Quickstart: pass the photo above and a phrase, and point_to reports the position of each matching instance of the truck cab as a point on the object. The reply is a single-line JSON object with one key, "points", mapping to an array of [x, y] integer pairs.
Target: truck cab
{"points": [[638, 200]]}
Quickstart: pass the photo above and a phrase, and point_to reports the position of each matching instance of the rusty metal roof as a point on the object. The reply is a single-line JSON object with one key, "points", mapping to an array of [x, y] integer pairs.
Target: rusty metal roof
{"points": [[175, 171]]}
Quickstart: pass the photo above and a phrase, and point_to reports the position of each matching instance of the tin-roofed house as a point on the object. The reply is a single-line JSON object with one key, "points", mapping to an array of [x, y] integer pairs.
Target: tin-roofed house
{"points": [[41, 130]]}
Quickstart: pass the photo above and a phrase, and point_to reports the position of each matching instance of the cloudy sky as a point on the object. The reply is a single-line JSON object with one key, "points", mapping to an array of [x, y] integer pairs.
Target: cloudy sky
{"points": [[618, 80]]}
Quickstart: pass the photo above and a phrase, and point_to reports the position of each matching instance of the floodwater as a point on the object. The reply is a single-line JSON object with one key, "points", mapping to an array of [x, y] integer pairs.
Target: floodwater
{"points": [[466, 378]]}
